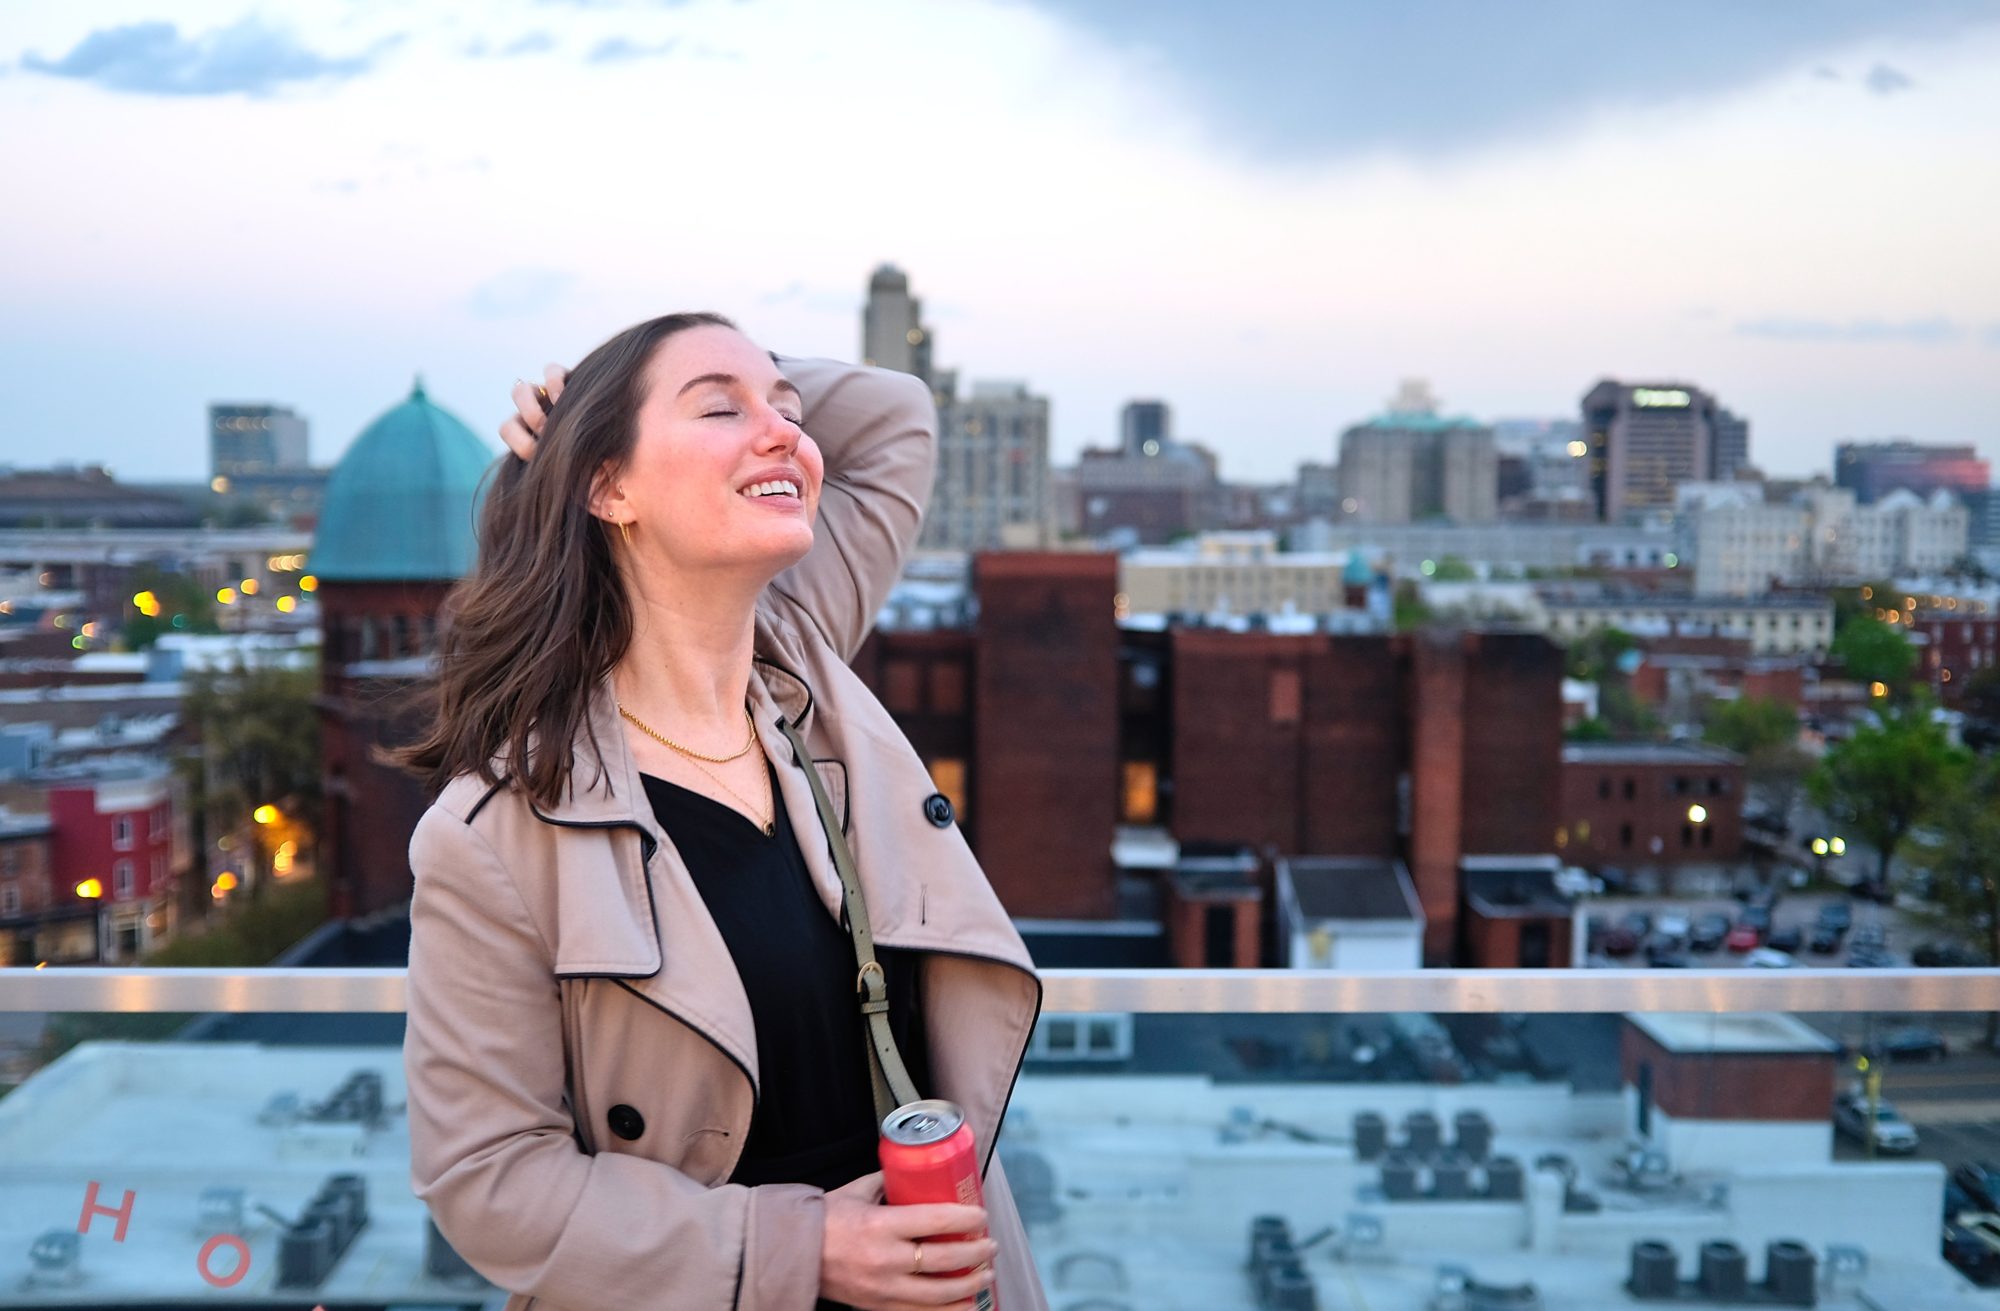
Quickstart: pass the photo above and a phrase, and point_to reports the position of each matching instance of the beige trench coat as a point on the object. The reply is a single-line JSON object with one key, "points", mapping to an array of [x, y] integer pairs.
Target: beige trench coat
{"points": [[580, 1057]]}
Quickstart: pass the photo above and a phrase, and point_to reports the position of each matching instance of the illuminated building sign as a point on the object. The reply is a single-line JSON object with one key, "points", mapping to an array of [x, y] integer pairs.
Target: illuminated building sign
{"points": [[1661, 398]]}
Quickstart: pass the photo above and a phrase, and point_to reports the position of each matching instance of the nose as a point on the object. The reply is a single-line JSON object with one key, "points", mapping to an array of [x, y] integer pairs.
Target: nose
{"points": [[776, 433]]}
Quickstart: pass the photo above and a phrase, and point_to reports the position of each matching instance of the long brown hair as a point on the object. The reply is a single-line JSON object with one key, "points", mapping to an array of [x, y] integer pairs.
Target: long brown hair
{"points": [[543, 616]]}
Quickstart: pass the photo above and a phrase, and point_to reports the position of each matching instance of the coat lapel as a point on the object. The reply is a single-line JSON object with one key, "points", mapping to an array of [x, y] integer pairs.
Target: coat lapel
{"points": [[627, 906]]}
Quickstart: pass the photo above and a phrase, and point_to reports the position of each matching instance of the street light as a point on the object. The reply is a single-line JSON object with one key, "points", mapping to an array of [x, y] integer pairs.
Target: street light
{"points": [[1837, 845], [90, 888], [1697, 814], [265, 814]]}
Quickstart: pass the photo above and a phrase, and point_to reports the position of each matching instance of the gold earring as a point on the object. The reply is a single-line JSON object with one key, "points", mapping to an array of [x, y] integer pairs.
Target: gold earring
{"points": [[625, 531]]}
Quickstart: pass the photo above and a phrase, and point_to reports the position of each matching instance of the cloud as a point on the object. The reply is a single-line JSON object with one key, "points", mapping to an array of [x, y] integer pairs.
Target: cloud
{"points": [[1886, 81], [1935, 331], [818, 300], [1307, 80], [617, 50], [155, 59], [529, 43], [519, 292], [1992, 334]]}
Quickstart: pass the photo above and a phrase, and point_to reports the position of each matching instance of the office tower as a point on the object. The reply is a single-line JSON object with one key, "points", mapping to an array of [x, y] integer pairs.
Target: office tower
{"points": [[893, 334], [992, 487], [246, 441], [1871, 470], [1646, 439], [1411, 464], [1145, 428]]}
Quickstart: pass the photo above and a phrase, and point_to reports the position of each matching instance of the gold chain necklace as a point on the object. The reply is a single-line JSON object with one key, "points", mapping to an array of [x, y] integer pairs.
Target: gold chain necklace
{"points": [[666, 741], [768, 825]]}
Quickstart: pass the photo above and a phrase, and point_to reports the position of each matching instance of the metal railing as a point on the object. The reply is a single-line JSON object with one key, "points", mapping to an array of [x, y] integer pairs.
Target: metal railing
{"points": [[381, 990]]}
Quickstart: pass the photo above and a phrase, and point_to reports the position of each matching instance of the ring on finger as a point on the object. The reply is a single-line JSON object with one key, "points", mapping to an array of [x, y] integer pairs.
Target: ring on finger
{"points": [[917, 1257], [542, 395]]}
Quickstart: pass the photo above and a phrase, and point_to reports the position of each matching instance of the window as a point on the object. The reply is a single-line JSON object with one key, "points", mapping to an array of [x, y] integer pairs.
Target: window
{"points": [[1141, 792], [1687, 835], [1603, 789], [1625, 836], [10, 860], [902, 687], [1714, 786], [1631, 788], [1285, 696], [121, 833], [948, 687], [948, 776], [1082, 1038], [1707, 835], [10, 900], [121, 879]]}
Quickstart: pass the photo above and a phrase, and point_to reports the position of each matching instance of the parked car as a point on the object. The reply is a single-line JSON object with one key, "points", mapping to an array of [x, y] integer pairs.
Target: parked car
{"points": [[1672, 927], [1636, 922], [1914, 1042], [1620, 942], [1665, 956], [1756, 917], [1836, 915], [1787, 939], [1708, 933], [1742, 938], [1980, 1181], [1864, 957], [1892, 1132], [1972, 1246], [1825, 940], [1769, 958], [1945, 955]]}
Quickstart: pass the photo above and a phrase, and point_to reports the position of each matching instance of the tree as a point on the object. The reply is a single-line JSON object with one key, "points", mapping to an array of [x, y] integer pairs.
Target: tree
{"points": [[1879, 782], [259, 732], [179, 603], [1765, 732], [1593, 656], [1959, 852], [1874, 652], [1980, 700]]}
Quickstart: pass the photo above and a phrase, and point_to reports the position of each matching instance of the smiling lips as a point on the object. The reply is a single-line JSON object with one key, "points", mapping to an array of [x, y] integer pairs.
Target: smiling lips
{"points": [[776, 487]]}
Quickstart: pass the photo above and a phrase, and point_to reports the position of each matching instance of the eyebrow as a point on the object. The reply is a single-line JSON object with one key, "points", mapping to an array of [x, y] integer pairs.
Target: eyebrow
{"points": [[731, 380]]}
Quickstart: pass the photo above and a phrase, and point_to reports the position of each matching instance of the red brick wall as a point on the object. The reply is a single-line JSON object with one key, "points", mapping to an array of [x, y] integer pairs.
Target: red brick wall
{"points": [[1731, 1086], [1045, 730], [1513, 743], [1288, 741], [1437, 784], [1595, 825]]}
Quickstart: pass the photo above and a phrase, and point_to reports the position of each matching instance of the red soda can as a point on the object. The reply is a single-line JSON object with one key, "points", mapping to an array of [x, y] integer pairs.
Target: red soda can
{"points": [[928, 1156]]}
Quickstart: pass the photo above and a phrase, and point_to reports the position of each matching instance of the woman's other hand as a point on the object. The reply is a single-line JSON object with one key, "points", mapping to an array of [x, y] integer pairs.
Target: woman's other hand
{"points": [[532, 405], [868, 1258]]}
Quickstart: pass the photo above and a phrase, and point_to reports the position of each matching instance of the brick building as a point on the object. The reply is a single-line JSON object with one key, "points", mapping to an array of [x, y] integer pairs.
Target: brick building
{"points": [[395, 535], [1644, 803], [1069, 734]]}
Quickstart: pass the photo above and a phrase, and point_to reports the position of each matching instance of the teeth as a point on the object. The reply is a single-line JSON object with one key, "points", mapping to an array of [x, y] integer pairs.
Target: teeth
{"points": [[780, 488]]}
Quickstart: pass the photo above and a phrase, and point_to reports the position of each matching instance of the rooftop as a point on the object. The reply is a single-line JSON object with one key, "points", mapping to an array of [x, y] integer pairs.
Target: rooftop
{"points": [[1743, 1033], [1646, 753], [1342, 888]]}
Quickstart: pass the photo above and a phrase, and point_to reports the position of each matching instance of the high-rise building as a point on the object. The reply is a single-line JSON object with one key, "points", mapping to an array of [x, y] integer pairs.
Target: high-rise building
{"points": [[893, 335], [1411, 464], [1646, 439], [1746, 537], [255, 440], [1871, 470], [1145, 427], [992, 481]]}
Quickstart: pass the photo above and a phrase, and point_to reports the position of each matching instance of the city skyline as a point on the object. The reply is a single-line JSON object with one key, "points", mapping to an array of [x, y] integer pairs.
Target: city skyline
{"points": [[308, 207]]}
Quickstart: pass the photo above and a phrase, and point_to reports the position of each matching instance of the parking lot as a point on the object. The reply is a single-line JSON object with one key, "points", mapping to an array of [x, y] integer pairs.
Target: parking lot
{"points": [[1794, 912]]}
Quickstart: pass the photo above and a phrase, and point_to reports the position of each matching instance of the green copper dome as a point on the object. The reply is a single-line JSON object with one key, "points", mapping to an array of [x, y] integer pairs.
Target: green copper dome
{"points": [[402, 502]]}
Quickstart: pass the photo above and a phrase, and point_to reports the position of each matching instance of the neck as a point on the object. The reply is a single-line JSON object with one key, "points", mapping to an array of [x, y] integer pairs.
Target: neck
{"points": [[687, 670]]}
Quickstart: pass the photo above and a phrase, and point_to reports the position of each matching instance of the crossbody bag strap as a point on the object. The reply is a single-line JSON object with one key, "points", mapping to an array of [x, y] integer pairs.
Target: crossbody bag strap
{"points": [[891, 1080]]}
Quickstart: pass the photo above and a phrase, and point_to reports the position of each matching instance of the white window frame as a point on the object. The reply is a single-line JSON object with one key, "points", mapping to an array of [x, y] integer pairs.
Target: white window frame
{"points": [[122, 830], [123, 879], [10, 900]]}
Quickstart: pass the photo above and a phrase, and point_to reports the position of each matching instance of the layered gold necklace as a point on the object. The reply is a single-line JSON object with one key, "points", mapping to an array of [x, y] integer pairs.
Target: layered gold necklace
{"points": [[768, 811]]}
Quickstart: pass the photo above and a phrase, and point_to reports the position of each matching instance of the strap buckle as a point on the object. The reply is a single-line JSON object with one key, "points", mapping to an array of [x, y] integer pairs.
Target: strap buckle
{"points": [[861, 978]]}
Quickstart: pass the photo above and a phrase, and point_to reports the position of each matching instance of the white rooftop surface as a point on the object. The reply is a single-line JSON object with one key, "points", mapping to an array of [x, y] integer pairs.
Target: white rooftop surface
{"points": [[1146, 1175], [165, 1121], [1748, 1032]]}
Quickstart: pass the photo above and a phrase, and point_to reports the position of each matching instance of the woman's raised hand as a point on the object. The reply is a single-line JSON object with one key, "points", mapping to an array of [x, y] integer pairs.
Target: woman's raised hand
{"points": [[532, 404], [870, 1258]]}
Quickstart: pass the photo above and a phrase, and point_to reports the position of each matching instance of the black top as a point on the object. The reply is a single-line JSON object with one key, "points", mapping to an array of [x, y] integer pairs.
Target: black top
{"points": [[814, 1122]]}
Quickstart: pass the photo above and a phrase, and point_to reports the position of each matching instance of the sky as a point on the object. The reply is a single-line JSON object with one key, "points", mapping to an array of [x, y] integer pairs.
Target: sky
{"points": [[1266, 213]]}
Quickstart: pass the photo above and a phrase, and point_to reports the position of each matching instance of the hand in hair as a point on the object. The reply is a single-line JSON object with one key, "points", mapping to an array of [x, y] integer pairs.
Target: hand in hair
{"points": [[524, 427]]}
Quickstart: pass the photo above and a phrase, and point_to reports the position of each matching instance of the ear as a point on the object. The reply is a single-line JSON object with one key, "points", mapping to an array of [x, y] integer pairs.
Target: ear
{"points": [[607, 496]]}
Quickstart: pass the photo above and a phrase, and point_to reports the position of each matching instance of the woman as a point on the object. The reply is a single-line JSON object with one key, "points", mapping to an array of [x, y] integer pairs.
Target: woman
{"points": [[635, 1063]]}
